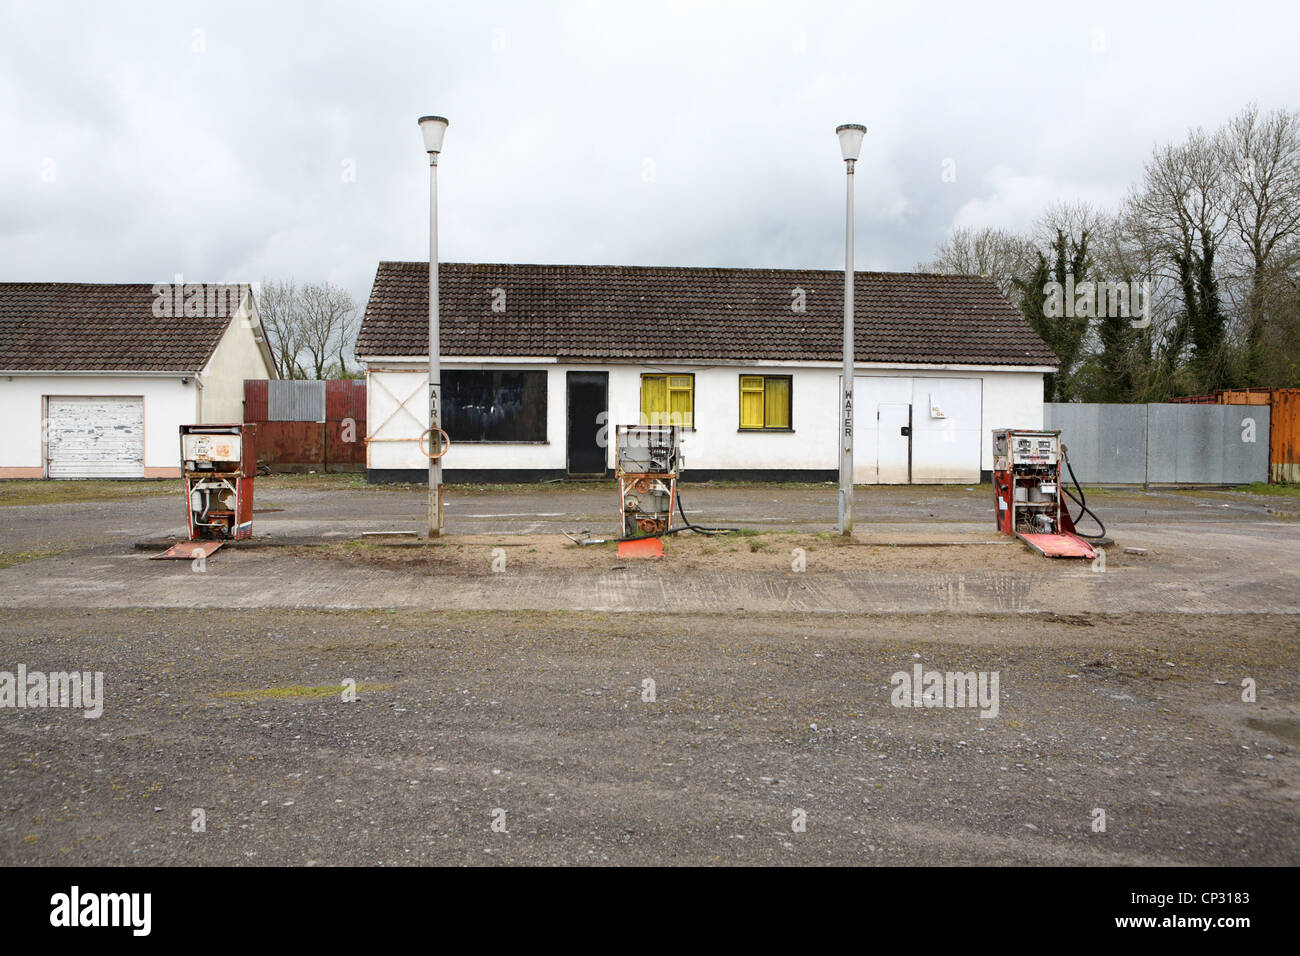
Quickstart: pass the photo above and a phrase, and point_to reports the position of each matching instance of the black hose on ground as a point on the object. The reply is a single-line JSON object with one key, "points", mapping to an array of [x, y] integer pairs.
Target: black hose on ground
{"points": [[696, 528], [1082, 502], [687, 526]]}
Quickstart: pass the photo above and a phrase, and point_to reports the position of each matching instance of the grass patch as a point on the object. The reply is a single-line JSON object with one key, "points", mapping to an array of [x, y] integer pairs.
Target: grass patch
{"points": [[297, 692], [46, 491], [740, 483], [355, 544], [322, 481], [1284, 490], [10, 558]]}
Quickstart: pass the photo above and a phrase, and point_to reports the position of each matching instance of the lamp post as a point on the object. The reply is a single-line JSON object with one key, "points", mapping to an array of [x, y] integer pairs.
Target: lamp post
{"points": [[433, 128], [850, 144]]}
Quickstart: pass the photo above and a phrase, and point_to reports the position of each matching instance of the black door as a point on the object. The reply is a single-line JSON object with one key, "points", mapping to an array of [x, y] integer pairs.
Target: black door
{"points": [[588, 410]]}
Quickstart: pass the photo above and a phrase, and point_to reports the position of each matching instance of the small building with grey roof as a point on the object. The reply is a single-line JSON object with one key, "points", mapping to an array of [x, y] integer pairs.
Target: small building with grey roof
{"points": [[540, 362], [96, 379]]}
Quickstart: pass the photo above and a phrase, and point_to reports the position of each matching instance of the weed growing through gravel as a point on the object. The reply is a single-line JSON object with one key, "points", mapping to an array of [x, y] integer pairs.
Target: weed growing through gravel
{"points": [[296, 692]]}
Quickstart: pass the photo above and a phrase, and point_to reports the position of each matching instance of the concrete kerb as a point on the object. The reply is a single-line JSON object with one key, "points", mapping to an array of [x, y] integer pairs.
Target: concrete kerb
{"points": [[413, 540]]}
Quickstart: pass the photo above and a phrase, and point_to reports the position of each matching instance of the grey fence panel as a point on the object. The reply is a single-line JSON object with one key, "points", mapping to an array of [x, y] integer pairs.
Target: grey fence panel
{"points": [[1080, 427], [1122, 442], [1164, 443], [1199, 457], [1245, 442], [293, 401]]}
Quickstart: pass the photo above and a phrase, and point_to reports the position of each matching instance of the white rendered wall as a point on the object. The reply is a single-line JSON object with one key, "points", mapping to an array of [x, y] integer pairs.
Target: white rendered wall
{"points": [[1006, 399], [236, 357], [167, 405]]}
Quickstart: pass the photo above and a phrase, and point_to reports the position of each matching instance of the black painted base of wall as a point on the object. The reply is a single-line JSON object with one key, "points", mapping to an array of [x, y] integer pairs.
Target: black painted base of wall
{"points": [[503, 476], [495, 476], [463, 476], [692, 476]]}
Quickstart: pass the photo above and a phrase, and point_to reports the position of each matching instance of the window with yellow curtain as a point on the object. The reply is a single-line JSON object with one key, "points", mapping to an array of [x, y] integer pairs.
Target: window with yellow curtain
{"points": [[765, 402], [668, 400]]}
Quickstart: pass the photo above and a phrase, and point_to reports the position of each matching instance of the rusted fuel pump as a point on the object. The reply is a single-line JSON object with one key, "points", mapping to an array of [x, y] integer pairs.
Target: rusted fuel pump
{"points": [[648, 460], [218, 467], [1029, 494]]}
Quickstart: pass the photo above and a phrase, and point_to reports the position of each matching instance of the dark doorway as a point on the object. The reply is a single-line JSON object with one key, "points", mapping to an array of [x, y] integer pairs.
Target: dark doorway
{"points": [[588, 411]]}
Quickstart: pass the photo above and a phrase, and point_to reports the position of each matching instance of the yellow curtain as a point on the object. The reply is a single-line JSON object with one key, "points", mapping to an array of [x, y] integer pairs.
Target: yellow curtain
{"points": [[668, 400], [681, 404], [751, 401], [777, 412], [654, 399]]}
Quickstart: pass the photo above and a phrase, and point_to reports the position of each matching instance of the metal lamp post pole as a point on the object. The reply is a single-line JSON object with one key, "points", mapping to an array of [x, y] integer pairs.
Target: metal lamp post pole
{"points": [[850, 142], [433, 128], [435, 356], [846, 402]]}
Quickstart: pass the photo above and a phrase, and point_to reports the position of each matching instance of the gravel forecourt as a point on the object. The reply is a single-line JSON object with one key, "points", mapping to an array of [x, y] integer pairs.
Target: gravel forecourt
{"points": [[610, 724]]}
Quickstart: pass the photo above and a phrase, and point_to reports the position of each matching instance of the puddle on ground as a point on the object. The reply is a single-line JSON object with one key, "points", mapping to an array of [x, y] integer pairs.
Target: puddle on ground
{"points": [[1283, 728]]}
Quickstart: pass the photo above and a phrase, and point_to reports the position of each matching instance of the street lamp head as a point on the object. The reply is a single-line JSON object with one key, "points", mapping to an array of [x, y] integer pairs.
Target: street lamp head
{"points": [[850, 135], [433, 128]]}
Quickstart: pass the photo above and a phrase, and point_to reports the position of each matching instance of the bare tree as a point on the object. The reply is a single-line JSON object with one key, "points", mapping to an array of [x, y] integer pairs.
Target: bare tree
{"points": [[992, 253], [1262, 156], [311, 329], [328, 325], [349, 326], [1128, 251], [1184, 204], [1072, 219], [1211, 235], [279, 309]]}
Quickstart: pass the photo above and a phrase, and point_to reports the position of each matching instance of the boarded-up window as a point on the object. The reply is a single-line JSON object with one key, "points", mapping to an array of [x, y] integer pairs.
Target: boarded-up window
{"points": [[765, 401], [494, 406], [668, 400]]}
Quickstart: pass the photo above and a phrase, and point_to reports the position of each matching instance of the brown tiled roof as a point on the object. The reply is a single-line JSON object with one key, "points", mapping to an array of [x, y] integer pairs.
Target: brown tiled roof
{"points": [[637, 313], [69, 326]]}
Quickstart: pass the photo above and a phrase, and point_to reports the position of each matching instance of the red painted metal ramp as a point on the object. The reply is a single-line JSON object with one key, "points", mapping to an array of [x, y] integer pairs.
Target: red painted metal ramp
{"points": [[188, 550], [641, 548], [1059, 545]]}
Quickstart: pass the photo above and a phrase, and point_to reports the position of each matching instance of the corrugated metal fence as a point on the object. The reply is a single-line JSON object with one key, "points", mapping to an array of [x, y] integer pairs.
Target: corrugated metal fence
{"points": [[1283, 426], [308, 426], [1164, 443]]}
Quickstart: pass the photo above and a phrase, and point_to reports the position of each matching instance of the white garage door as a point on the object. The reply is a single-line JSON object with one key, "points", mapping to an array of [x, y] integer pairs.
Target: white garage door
{"points": [[95, 437], [946, 415], [918, 429]]}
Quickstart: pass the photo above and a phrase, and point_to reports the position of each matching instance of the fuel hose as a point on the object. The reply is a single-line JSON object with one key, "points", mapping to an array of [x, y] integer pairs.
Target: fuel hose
{"points": [[1082, 502]]}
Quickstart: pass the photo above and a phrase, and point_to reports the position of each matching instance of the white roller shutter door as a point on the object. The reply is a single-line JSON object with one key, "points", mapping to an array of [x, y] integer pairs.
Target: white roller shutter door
{"points": [[92, 437]]}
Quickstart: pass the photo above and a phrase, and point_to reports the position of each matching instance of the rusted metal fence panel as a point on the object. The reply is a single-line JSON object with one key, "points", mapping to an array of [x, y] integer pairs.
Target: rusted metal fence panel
{"points": [[291, 445], [345, 399], [345, 445], [255, 399], [1284, 438], [327, 434]]}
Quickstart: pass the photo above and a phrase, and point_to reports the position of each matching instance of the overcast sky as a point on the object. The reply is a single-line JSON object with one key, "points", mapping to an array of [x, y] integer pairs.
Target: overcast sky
{"points": [[237, 142]]}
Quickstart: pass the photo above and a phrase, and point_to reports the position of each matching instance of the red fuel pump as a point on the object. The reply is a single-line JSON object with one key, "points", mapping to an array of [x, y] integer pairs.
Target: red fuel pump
{"points": [[219, 463], [1029, 499]]}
